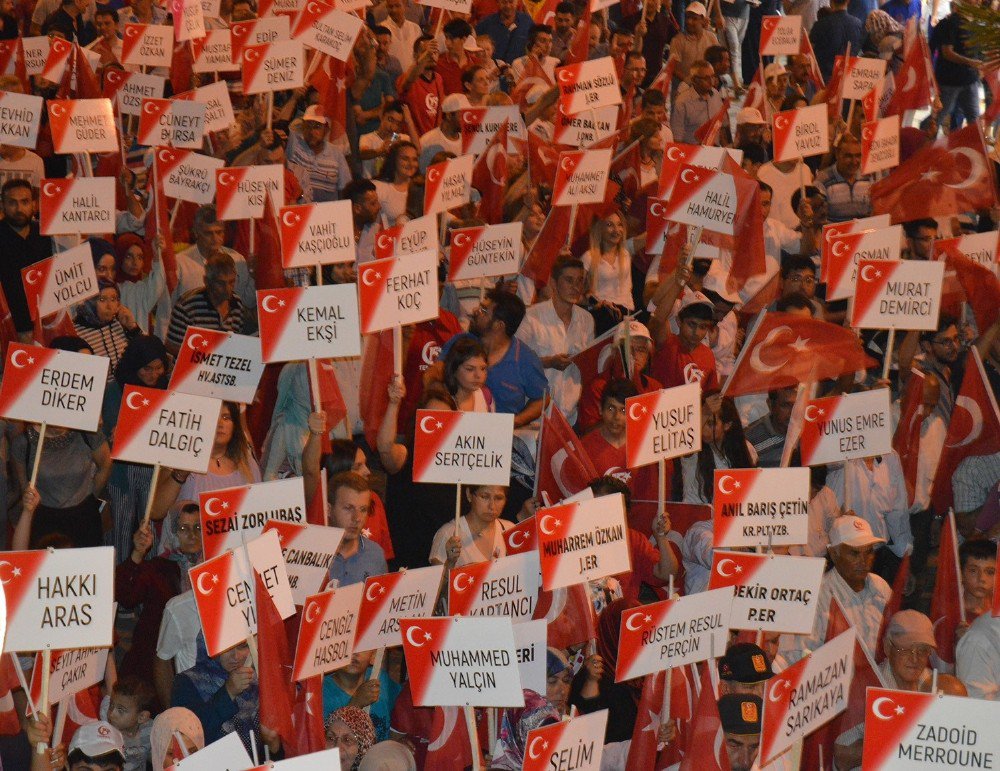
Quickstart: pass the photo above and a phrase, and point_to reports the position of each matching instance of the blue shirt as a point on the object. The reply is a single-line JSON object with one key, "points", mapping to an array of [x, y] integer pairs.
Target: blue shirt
{"points": [[515, 380], [509, 42], [367, 561], [902, 10], [830, 36], [380, 89], [335, 697]]}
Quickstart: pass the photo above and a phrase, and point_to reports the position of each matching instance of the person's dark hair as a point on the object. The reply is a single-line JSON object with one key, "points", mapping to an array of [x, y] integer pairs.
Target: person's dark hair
{"points": [[113, 758], [714, 54], [566, 7], [457, 28], [794, 301], [977, 549], [53, 541], [912, 226], [793, 262], [634, 55], [348, 479], [14, 184], [618, 390], [381, 29], [463, 350], [609, 485], [388, 172], [138, 689], [508, 308], [563, 264], [393, 105], [754, 152], [765, 187], [419, 42], [811, 192], [355, 190], [701, 311], [70, 343], [468, 75], [436, 392], [341, 456], [643, 129], [140, 352], [652, 97], [538, 29], [791, 102], [946, 320], [107, 12], [103, 284]]}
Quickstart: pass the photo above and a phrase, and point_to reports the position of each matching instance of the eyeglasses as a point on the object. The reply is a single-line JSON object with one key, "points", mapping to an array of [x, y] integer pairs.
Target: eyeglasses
{"points": [[914, 651], [948, 341], [801, 279], [195, 529]]}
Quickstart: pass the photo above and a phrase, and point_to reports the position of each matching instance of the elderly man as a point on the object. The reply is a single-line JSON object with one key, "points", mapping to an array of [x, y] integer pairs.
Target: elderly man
{"points": [[767, 433], [861, 594], [212, 306], [509, 29], [319, 165], [701, 104], [740, 715], [847, 191]]}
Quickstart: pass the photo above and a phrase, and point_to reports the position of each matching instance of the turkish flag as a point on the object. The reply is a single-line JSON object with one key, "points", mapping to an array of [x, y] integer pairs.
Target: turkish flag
{"points": [[268, 273], [377, 364], [534, 75], [158, 224], [83, 708], [330, 76], [894, 605], [307, 716], [569, 614], [665, 78], [756, 94], [835, 90], [274, 669], [949, 176], [906, 440], [9, 723], [626, 170], [489, 177], [946, 601], [542, 159], [450, 746], [815, 73], [968, 281], [913, 88], [579, 47], [316, 507], [331, 400], [783, 350], [708, 132], [598, 358], [645, 752], [79, 80], [974, 429], [564, 467], [992, 78], [181, 68], [706, 749]]}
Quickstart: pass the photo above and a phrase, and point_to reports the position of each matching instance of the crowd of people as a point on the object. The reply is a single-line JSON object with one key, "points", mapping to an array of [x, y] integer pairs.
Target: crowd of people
{"points": [[681, 312]]}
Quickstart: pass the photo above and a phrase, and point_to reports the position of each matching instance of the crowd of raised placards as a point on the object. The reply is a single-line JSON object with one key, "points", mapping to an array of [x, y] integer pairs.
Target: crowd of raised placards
{"points": [[498, 384]]}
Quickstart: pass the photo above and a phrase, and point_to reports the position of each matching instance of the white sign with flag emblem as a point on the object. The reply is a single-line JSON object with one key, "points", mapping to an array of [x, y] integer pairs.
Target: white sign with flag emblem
{"points": [[462, 447]]}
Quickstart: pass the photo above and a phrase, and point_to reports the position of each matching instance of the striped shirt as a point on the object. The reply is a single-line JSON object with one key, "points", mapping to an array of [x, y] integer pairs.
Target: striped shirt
{"points": [[322, 175], [194, 309]]}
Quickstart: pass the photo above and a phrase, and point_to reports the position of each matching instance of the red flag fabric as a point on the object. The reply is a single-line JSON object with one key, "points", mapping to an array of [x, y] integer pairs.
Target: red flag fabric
{"points": [[579, 47], [489, 177], [331, 400], [913, 89], [316, 508], [376, 373], [268, 273], [645, 752], [551, 240], [569, 614], [946, 601], [83, 708], [542, 13], [974, 429], [906, 440], [181, 68], [756, 96], [708, 132], [307, 716], [9, 723], [274, 669], [893, 606], [564, 467], [992, 78], [815, 73], [663, 82], [626, 170], [706, 750], [451, 746], [976, 285], [330, 76], [542, 159], [533, 75], [949, 176], [79, 80], [834, 91], [783, 350]]}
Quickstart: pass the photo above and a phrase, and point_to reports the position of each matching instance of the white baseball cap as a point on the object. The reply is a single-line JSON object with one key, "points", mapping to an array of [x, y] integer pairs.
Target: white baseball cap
{"points": [[698, 9], [852, 531], [471, 45], [97, 739], [635, 329], [454, 103], [774, 70], [750, 115], [315, 113]]}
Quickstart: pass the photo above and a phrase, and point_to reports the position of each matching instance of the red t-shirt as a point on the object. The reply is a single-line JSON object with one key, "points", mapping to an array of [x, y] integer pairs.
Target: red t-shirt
{"points": [[424, 348], [644, 558], [450, 72], [673, 366], [424, 98], [589, 412], [610, 461]]}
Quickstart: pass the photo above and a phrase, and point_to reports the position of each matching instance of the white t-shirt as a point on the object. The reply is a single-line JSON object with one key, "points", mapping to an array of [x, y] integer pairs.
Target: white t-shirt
{"points": [[29, 166], [179, 632], [784, 186], [393, 202], [470, 552], [614, 280]]}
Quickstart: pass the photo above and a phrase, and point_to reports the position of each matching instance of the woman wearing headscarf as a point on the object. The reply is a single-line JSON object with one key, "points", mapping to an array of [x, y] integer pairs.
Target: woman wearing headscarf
{"points": [[594, 687], [139, 293], [222, 691], [105, 323], [388, 756], [179, 723], [515, 726], [351, 731], [558, 679], [144, 363], [152, 583]]}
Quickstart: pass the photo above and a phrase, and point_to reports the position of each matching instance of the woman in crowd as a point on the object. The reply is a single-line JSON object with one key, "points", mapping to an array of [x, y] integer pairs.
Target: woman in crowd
{"points": [[395, 182], [105, 323], [479, 533], [609, 265], [350, 730], [465, 376], [174, 725], [723, 446], [353, 686], [515, 726], [140, 293]]}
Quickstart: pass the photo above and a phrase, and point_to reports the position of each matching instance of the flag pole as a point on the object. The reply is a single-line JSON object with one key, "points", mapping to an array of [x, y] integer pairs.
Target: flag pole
{"points": [[458, 506], [43, 700], [397, 351], [887, 363], [470, 726], [152, 493], [38, 451], [958, 569]]}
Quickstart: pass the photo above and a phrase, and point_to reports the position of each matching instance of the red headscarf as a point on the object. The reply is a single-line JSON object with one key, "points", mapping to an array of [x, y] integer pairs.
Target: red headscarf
{"points": [[123, 243]]}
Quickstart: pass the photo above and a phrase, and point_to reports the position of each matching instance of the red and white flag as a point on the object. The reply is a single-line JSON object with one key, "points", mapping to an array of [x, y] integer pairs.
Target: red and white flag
{"points": [[83, 125], [783, 350], [880, 145], [489, 177], [906, 439], [577, 741], [485, 251], [801, 133], [974, 429], [662, 425], [708, 132], [838, 428], [327, 628], [387, 598], [564, 467], [308, 322], [506, 586], [273, 67], [126, 90], [147, 45], [448, 184], [240, 190], [218, 364], [462, 447], [914, 81], [397, 292], [705, 749], [413, 237], [58, 57], [967, 280], [952, 175], [581, 177], [839, 269], [947, 603], [326, 28], [781, 35], [187, 175], [761, 507], [522, 537], [233, 515], [455, 661], [60, 281], [317, 234], [898, 294], [588, 85], [568, 613], [81, 205], [583, 541], [646, 753]]}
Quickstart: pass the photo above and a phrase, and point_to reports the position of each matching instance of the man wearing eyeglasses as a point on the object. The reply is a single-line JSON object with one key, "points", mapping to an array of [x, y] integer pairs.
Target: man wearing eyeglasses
{"points": [[699, 106], [920, 236]]}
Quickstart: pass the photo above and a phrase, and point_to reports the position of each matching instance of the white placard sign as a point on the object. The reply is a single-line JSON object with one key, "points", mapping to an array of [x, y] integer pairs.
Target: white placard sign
{"points": [[171, 123], [309, 551], [398, 291], [771, 592], [60, 388], [240, 191], [214, 52], [273, 67], [221, 365], [77, 206], [233, 515], [315, 322], [662, 425], [147, 45], [317, 234], [506, 586], [531, 639], [129, 89], [60, 281], [219, 113], [226, 754], [903, 294], [448, 184], [387, 598], [326, 631], [581, 177], [83, 125], [576, 743], [863, 76], [326, 29], [838, 428], [20, 117], [761, 507], [187, 175], [485, 251], [588, 85], [463, 447]]}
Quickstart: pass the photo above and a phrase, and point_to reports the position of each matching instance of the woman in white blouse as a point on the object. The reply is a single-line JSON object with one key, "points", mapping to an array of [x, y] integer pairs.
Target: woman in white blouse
{"points": [[609, 262], [395, 181], [479, 535]]}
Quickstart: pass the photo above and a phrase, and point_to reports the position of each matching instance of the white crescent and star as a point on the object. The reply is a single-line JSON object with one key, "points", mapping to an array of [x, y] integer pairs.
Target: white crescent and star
{"points": [[415, 643], [58, 110], [17, 361], [565, 76], [424, 425], [251, 55], [810, 415], [209, 507], [520, 536], [6, 578], [543, 526], [867, 275], [193, 341], [310, 616], [461, 239], [368, 591], [462, 586], [149, 107], [780, 684], [722, 567], [534, 744], [269, 306], [724, 487], [290, 218], [972, 407], [836, 248], [32, 276], [877, 708], [628, 623], [780, 121], [567, 164], [631, 411], [975, 172], [366, 275], [670, 154], [756, 362], [201, 584], [130, 401], [382, 244], [433, 175], [225, 178], [684, 178], [656, 209], [51, 188]]}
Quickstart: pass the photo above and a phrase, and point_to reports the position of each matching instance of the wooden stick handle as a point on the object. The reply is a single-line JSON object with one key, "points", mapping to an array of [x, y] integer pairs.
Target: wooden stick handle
{"points": [[152, 493], [38, 455], [470, 725]]}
